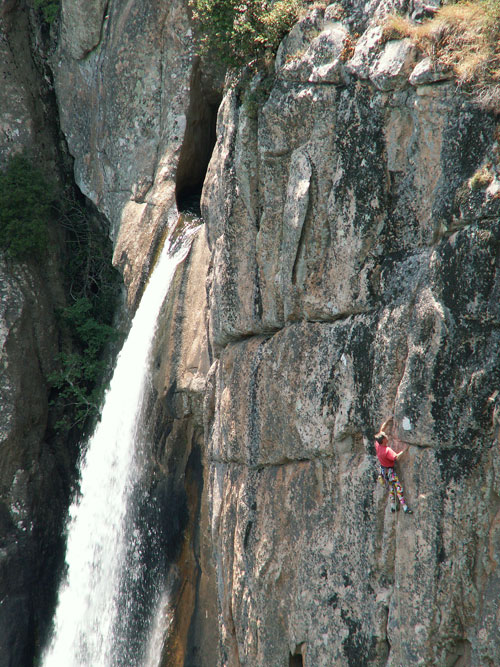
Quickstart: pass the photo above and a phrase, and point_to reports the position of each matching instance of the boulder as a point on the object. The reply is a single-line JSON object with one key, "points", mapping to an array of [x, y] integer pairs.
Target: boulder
{"points": [[394, 65], [427, 72]]}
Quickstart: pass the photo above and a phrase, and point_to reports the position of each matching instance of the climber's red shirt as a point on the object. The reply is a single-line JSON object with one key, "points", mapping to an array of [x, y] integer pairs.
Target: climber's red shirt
{"points": [[386, 455]]}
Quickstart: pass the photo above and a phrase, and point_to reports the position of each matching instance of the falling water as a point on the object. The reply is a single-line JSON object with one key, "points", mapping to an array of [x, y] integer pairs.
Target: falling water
{"points": [[98, 548]]}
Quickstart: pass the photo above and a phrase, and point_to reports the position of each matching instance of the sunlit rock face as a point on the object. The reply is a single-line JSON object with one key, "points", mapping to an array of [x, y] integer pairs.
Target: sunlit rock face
{"points": [[123, 78], [354, 276]]}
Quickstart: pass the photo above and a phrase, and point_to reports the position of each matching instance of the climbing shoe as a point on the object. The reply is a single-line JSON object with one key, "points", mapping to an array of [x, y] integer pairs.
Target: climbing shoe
{"points": [[393, 508], [407, 510]]}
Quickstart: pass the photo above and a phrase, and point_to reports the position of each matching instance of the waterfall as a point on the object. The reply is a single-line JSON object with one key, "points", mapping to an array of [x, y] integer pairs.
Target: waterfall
{"points": [[100, 549]]}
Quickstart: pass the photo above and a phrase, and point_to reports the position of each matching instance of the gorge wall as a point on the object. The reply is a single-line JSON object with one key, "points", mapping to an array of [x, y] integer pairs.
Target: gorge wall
{"points": [[347, 270], [35, 464]]}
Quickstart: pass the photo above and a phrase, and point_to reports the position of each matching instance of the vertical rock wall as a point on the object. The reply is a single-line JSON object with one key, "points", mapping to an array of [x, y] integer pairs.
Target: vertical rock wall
{"points": [[354, 276], [182, 363], [122, 78], [35, 464]]}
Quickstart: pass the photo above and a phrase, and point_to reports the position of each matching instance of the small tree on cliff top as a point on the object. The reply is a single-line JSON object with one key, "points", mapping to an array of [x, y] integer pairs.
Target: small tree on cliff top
{"points": [[238, 33]]}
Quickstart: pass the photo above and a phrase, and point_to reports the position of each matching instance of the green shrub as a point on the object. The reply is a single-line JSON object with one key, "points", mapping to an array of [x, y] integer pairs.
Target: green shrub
{"points": [[49, 9], [25, 209], [80, 379], [238, 33], [93, 285], [27, 204]]}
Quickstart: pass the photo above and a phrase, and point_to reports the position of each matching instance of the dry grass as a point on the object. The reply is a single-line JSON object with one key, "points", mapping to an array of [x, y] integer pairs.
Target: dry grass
{"points": [[397, 27], [481, 179], [488, 96], [464, 37]]}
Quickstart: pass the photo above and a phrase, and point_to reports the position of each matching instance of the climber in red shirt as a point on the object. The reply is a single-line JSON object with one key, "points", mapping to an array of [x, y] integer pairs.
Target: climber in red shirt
{"points": [[387, 458]]}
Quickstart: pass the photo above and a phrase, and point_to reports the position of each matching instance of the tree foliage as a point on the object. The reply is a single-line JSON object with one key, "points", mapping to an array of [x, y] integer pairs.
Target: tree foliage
{"points": [[238, 33], [49, 9], [79, 379], [25, 209], [28, 203], [93, 287]]}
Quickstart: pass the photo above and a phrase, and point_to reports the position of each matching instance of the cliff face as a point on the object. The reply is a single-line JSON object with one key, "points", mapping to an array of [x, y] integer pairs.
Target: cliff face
{"points": [[354, 275], [124, 79], [34, 471], [37, 458], [347, 271], [33, 477], [360, 268]]}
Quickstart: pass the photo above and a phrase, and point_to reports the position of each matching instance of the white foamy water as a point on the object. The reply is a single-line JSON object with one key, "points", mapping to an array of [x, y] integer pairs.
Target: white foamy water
{"points": [[97, 545], [159, 629]]}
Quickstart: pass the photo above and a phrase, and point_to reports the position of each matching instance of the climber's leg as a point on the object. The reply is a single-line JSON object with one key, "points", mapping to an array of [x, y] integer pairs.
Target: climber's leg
{"points": [[398, 490], [392, 494]]}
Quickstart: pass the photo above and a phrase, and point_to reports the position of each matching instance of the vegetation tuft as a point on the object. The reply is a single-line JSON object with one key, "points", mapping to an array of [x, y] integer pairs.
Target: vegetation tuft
{"points": [[464, 37], [237, 33], [481, 178], [49, 9]]}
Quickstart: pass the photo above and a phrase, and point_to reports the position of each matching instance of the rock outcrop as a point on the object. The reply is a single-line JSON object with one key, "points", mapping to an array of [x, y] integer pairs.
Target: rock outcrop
{"points": [[124, 79], [348, 270]]}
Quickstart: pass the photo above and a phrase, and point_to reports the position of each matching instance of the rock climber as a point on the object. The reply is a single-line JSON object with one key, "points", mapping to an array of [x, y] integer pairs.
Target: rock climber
{"points": [[387, 458]]}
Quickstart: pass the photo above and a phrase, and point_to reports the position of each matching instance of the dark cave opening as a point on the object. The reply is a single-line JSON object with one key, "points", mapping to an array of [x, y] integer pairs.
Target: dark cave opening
{"points": [[296, 659], [198, 144]]}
